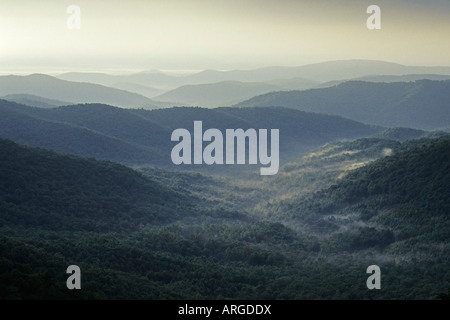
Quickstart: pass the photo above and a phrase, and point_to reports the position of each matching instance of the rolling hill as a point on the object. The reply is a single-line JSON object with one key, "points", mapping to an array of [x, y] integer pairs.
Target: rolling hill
{"points": [[73, 92], [294, 83], [142, 137], [350, 69], [307, 75], [36, 127], [146, 91], [384, 78], [215, 94], [321, 72], [58, 208], [34, 101], [422, 104], [405, 134], [155, 80], [404, 78], [405, 193], [61, 191], [136, 238], [220, 88]]}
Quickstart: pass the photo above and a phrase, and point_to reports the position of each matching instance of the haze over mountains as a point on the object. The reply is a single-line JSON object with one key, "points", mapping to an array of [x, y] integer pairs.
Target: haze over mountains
{"points": [[209, 88], [35, 101], [421, 104], [360, 182], [216, 94], [319, 72], [138, 137], [49, 87]]}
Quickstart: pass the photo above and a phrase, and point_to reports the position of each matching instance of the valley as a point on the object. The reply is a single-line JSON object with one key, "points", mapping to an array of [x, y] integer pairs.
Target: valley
{"points": [[170, 235], [87, 179]]}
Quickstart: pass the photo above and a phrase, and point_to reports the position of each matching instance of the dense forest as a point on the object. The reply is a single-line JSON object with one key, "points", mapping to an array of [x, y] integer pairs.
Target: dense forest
{"points": [[164, 235]]}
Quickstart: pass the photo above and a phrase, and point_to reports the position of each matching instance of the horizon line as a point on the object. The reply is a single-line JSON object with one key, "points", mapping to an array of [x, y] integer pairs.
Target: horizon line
{"points": [[188, 71]]}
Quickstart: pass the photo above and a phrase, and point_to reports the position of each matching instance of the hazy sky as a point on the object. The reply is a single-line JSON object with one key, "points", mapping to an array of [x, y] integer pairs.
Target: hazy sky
{"points": [[217, 34]]}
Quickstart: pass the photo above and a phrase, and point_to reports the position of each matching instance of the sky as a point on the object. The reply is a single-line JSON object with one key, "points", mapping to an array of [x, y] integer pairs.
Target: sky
{"points": [[136, 35]]}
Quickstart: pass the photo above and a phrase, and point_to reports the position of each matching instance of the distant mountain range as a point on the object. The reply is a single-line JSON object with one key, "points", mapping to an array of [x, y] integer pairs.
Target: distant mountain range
{"points": [[421, 104], [146, 91], [313, 73], [209, 88], [384, 78], [212, 88], [350, 69], [216, 94], [360, 183], [142, 137]]}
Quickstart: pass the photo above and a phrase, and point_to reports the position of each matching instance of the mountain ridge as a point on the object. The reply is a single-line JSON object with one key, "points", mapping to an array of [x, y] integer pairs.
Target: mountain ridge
{"points": [[422, 104], [34, 101], [321, 72], [217, 94], [138, 136], [74, 92]]}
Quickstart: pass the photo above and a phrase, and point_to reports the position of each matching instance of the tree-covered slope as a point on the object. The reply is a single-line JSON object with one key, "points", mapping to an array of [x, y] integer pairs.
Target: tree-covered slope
{"points": [[406, 193], [40, 188], [157, 238], [421, 104], [142, 137]]}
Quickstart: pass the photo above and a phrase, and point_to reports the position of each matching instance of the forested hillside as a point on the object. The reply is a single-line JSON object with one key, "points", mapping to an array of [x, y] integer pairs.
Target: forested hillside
{"points": [[59, 193], [405, 195], [421, 104], [137, 237], [142, 137]]}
